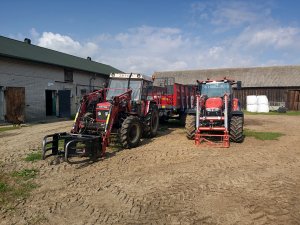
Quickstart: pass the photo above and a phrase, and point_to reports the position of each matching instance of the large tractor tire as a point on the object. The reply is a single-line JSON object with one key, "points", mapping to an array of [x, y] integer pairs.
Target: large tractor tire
{"points": [[131, 132], [236, 129], [152, 122], [190, 126]]}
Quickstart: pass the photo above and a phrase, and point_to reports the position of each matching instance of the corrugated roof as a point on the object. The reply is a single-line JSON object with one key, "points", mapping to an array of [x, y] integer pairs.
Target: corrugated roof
{"points": [[22, 50], [275, 76]]}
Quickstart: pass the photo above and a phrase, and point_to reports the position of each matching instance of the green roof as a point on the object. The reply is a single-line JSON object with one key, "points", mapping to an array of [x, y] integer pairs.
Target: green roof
{"points": [[23, 50]]}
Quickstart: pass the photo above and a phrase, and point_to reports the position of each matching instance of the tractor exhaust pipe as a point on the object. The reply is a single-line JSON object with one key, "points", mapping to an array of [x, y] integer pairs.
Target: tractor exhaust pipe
{"points": [[128, 86]]}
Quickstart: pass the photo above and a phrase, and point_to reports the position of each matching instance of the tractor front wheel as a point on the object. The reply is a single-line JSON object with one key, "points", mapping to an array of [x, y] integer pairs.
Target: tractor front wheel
{"points": [[236, 129], [131, 132], [190, 126]]}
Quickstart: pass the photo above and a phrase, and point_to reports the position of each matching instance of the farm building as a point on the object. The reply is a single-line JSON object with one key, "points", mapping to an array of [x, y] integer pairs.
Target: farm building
{"points": [[281, 84], [37, 82]]}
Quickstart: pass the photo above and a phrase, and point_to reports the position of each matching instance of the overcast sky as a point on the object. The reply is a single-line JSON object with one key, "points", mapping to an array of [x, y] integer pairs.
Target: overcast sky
{"points": [[158, 35]]}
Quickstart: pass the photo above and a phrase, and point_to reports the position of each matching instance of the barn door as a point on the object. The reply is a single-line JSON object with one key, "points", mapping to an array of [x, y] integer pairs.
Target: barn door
{"points": [[293, 100], [64, 103], [15, 104]]}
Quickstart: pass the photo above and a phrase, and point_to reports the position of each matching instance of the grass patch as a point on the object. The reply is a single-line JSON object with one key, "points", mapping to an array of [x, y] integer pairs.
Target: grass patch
{"points": [[33, 156], [3, 187], [25, 174], [16, 186], [262, 135], [2, 129], [288, 113]]}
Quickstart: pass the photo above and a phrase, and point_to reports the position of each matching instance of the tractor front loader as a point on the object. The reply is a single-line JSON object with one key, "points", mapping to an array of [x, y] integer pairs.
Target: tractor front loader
{"points": [[217, 117], [121, 110]]}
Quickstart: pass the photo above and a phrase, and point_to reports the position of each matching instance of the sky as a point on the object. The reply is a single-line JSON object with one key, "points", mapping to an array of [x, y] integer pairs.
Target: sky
{"points": [[145, 36]]}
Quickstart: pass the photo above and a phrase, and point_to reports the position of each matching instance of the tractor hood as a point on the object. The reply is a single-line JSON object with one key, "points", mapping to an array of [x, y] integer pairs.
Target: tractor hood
{"points": [[102, 111], [104, 105], [213, 104]]}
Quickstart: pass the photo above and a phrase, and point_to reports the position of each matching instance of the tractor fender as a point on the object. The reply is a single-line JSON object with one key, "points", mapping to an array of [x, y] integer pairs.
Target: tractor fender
{"points": [[237, 113]]}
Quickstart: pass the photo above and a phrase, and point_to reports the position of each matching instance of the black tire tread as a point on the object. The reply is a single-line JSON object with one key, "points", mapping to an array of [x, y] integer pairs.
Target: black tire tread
{"points": [[236, 129], [126, 125], [148, 133], [190, 126]]}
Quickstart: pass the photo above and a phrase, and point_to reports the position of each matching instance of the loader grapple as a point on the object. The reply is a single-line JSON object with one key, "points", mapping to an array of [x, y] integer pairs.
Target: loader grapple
{"points": [[68, 145]]}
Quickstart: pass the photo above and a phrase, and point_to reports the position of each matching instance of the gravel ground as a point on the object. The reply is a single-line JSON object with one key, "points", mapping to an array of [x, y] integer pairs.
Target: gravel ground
{"points": [[166, 180]]}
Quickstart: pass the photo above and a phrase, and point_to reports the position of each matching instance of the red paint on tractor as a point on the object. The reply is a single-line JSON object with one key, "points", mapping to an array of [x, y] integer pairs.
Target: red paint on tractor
{"points": [[214, 103]]}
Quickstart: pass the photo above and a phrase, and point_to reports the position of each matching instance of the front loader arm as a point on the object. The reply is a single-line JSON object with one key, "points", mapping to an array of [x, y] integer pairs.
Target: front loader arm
{"points": [[119, 103], [98, 95]]}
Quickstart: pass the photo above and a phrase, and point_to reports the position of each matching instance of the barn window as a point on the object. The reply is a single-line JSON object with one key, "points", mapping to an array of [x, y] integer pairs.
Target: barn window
{"points": [[83, 92], [68, 75]]}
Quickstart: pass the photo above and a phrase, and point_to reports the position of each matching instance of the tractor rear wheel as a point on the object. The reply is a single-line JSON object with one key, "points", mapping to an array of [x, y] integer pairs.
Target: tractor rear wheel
{"points": [[236, 129], [152, 122], [190, 126], [131, 132]]}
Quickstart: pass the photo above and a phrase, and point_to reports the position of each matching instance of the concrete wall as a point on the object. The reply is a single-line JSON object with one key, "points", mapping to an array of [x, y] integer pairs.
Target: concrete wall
{"points": [[36, 78], [1, 104]]}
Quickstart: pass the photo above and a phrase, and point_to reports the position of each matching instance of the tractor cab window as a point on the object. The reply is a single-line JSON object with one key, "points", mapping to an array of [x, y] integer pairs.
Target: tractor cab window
{"points": [[215, 89], [119, 86]]}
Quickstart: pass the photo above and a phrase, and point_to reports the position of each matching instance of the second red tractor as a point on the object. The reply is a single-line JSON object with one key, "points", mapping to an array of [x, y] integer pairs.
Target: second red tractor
{"points": [[217, 117]]}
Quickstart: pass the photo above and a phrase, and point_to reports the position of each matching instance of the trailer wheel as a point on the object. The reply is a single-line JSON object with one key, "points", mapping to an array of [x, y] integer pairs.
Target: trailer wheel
{"points": [[131, 131], [236, 129], [190, 126], [152, 122]]}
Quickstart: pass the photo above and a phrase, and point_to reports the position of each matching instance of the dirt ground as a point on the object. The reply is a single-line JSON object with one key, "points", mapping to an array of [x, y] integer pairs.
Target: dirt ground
{"points": [[167, 180]]}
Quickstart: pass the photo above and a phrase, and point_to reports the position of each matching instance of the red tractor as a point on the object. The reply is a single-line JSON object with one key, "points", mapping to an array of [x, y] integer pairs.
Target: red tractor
{"points": [[122, 109], [217, 117]]}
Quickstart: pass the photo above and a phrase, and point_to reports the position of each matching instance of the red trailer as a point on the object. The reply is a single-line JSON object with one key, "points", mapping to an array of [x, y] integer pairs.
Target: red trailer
{"points": [[175, 99]]}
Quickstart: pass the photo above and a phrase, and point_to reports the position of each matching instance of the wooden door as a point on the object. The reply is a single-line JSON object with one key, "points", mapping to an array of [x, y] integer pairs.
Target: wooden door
{"points": [[293, 100], [15, 104]]}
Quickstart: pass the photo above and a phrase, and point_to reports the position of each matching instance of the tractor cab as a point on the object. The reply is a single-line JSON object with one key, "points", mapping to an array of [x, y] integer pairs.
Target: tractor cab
{"points": [[130, 88], [213, 92], [121, 82], [214, 88]]}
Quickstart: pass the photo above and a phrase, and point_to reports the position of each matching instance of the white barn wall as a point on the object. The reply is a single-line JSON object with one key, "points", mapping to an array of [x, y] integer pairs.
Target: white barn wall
{"points": [[36, 78]]}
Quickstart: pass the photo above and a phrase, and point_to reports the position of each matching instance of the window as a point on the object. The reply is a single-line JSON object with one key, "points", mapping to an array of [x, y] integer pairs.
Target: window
{"points": [[215, 89], [83, 92], [119, 86], [68, 75]]}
